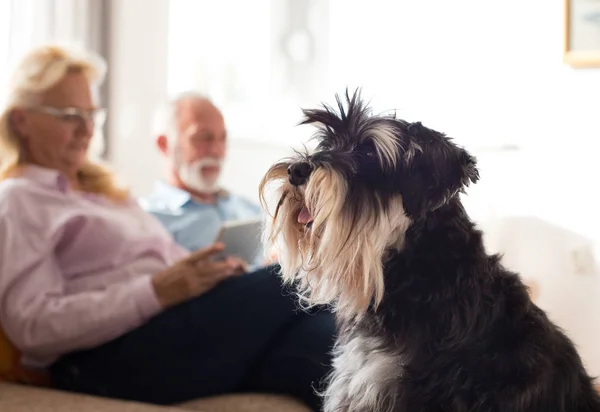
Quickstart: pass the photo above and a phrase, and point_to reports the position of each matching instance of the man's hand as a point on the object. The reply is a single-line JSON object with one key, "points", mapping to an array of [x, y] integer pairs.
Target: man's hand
{"points": [[240, 265], [196, 274], [271, 258]]}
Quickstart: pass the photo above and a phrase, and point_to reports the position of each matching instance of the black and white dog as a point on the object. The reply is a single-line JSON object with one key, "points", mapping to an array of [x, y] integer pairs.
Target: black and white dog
{"points": [[371, 222]]}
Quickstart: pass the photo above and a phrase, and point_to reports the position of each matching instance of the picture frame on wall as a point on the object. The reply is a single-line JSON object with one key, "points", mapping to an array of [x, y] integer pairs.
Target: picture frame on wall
{"points": [[582, 33]]}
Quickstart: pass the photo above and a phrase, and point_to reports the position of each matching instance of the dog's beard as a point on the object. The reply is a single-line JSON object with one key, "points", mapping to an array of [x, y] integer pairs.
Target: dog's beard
{"points": [[337, 257]]}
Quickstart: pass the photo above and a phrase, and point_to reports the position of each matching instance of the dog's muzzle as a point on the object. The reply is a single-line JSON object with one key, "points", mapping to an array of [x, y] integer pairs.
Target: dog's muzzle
{"points": [[299, 172]]}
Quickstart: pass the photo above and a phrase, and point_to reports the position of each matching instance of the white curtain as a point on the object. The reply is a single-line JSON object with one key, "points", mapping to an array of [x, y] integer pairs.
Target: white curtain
{"points": [[28, 23]]}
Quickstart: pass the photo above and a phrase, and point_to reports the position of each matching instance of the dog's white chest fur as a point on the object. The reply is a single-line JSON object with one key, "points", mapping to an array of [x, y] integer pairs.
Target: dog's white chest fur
{"points": [[364, 378]]}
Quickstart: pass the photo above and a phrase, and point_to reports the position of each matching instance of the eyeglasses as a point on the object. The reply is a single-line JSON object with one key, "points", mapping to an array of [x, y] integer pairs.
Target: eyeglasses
{"points": [[74, 115]]}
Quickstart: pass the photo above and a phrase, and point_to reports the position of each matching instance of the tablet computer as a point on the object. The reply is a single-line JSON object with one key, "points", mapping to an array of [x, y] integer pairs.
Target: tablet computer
{"points": [[242, 239]]}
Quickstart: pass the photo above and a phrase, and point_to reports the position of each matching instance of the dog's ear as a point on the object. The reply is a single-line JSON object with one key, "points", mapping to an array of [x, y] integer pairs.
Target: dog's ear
{"points": [[437, 172]]}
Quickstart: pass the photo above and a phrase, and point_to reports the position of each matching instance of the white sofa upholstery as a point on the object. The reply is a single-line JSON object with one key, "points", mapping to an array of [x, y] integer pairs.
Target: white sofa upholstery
{"points": [[562, 267]]}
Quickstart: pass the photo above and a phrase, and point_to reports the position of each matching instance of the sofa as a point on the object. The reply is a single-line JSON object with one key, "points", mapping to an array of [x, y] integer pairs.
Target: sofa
{"points": [[561, 270], [21, 398]]}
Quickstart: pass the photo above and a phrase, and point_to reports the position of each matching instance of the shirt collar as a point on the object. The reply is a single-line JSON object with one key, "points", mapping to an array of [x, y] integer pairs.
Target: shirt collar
{"points": [[45, 176], [173, 196], [177, 198]]}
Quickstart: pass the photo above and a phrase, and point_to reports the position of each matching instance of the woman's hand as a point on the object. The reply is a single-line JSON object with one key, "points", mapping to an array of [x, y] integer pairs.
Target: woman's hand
{"points": [[196, 274]]}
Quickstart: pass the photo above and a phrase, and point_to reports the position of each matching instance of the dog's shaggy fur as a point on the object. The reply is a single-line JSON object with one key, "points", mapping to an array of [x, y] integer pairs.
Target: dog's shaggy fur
{"points": [[371, 222]]}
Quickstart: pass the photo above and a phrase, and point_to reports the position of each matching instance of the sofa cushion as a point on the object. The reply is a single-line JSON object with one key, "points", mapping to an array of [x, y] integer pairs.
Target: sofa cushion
{"points": [[22, 398], [246, 403], [11, 369]]}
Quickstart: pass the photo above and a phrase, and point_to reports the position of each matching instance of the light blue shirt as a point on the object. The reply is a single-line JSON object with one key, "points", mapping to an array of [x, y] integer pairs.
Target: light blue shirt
{"points": [[196, 225]]}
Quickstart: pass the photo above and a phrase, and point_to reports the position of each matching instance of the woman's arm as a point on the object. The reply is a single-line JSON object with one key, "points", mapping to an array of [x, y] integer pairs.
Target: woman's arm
{"points": [[40, 318]]}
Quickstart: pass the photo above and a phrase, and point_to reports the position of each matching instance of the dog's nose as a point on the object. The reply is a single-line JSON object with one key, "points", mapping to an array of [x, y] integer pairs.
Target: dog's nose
{"points": [[298, 173]]}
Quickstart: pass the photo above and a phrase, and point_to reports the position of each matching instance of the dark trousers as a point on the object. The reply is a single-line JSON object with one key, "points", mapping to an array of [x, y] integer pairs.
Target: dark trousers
{"points": [[246, 335]]}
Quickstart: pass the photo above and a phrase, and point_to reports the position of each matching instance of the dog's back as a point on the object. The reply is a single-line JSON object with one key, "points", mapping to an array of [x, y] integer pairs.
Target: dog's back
{"points": [[469, 335]]}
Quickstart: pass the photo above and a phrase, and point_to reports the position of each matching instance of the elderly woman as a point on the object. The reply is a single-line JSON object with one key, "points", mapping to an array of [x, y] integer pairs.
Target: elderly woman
{"points": [[93, 289]]}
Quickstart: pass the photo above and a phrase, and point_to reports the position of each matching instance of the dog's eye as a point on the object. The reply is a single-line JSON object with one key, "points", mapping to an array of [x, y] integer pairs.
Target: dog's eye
{"points": [[367, 149]]}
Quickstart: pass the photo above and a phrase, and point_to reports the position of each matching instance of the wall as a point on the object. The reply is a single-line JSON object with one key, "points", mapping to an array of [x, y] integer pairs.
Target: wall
{"points": [[137, 82], [507, 59]]}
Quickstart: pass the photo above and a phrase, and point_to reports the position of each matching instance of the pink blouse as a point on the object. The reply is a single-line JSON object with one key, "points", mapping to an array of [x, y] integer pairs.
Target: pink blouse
{"points": [[75, 269]]}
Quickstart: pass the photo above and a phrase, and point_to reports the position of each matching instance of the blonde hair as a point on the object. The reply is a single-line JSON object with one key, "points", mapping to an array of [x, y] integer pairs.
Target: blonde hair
{"points": [[38, 71]]}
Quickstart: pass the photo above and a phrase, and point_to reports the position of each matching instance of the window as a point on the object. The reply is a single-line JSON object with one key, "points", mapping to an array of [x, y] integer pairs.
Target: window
{"points": [[23, 23], [258, 60], [5, 19], [27, 23], [451, 64]]}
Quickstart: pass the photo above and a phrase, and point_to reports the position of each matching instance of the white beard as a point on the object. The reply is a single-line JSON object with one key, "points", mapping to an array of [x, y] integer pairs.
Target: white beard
{"points": [[191, 176]]}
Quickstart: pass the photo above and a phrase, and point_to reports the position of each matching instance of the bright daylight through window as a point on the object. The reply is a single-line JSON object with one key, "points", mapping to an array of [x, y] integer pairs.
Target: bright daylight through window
{"points": [[263, 60]]}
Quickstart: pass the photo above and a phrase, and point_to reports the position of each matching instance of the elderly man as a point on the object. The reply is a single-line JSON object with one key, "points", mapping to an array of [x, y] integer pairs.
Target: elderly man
{"points": [[262, 341], [191, 204]]}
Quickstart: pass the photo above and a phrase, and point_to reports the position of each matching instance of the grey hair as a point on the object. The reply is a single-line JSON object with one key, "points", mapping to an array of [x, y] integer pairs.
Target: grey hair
{"points": [[166, 114]]}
